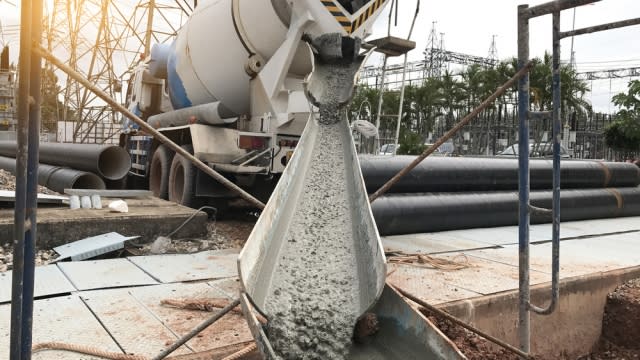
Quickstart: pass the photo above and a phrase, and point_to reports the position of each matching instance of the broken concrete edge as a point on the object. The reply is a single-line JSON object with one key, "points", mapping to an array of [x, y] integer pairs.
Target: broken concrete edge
{"points": [[56, 233], [576, 325]]}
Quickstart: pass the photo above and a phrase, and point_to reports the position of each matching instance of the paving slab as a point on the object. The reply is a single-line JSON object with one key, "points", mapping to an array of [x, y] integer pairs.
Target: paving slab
{"points": [[430, 243], [147, 218], [486, 276], [229, 330], [48, 280], [426, 284], [230, 286], [577, 257], [134, 327], [102, 274], [456, 240], [61, 319], [200, 266]]}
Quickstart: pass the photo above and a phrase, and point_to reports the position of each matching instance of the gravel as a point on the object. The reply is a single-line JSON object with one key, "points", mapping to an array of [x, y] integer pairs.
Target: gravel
{"points": [[43, 257], [8, 182]]}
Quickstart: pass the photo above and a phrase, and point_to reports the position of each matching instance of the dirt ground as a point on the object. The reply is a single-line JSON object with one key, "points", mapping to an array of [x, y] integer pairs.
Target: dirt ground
{"points": [[620, 331], [620, 325], [470, 344]]}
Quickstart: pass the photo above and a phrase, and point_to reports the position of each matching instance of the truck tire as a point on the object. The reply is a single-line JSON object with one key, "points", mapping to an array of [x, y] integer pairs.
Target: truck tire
{"points": [[159, 172], [182, 180]]}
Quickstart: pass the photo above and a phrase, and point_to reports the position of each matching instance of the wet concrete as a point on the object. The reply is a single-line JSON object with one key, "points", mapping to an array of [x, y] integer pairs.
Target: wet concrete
{"points": [[314, 296]]}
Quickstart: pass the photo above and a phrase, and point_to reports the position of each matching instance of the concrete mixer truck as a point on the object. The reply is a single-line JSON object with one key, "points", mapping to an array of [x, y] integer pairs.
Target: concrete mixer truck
{"points": [[230, 90]]}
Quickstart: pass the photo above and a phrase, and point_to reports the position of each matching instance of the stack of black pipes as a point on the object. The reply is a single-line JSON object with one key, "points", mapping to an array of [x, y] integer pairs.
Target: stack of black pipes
{"points": [[73, 166], [448, 193]]}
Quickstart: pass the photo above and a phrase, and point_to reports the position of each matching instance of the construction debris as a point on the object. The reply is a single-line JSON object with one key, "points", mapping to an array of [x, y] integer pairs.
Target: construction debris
{"points": [[119, 206], [8, 182], [427, 261], [43, 257], [200, 304], [92, 246]]}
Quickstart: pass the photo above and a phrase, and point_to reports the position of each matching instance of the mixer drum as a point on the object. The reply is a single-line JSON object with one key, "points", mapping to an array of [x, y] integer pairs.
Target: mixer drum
{"points": [[209, 58]]}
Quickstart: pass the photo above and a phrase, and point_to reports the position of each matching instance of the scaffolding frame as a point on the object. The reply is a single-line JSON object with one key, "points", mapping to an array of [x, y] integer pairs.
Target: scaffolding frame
{"points": [[526, 13]]}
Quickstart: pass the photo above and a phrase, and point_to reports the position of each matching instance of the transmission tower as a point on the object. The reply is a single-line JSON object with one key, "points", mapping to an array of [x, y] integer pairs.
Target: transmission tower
{"points": [[102, 40], [433, 54], [493, 50]]}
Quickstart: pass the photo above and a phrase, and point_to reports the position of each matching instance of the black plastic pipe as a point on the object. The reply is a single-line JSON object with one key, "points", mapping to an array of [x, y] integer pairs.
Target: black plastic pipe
{"points": [[422, 213], [451, 174], [108, 161], [58, 178]]}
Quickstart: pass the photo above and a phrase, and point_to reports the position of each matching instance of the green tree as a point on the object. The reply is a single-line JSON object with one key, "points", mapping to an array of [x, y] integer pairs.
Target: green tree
{"points": [[52, 108], [624, 133]]}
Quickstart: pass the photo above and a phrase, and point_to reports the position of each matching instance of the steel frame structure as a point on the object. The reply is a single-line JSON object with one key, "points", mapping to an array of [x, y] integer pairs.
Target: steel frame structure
{"points": [[416, 70], [104, 40], [525, 14]]}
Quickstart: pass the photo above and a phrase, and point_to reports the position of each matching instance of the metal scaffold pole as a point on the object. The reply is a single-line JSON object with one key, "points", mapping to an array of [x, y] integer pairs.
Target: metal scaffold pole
{"points": [[525, 13], [26, 182], [523, 181]]}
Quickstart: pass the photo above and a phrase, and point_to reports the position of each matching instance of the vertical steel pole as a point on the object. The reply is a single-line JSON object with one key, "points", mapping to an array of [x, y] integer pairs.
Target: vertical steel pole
{"points": [[402, 92], [15, 351], [557, 132], [32, 181], [380, 100], [149, 32], [523, 181]]}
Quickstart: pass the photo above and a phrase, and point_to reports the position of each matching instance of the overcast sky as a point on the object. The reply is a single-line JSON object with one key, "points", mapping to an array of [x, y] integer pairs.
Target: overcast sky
{"points": [[468, 26]]}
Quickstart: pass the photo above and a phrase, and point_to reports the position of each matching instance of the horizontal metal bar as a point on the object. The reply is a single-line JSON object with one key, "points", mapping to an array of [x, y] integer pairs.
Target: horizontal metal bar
{"points": [[540, 115], [604, 27], [554, 6]]}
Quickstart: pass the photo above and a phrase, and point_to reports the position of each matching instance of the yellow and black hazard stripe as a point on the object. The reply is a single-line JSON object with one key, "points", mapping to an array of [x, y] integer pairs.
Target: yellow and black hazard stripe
{"points": [[376, 4], [345, 21]]}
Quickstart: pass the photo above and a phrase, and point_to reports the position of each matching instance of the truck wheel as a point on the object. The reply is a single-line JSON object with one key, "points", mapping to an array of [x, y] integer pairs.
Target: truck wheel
{"points": [[182, 180], [159, 172]]}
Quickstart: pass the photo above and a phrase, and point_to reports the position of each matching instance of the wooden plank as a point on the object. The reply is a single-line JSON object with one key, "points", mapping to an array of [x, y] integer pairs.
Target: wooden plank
{"points": [[102, 274], [49, 280], [229, 330], [201, 266], [137, 330], [61, 319]]}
